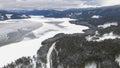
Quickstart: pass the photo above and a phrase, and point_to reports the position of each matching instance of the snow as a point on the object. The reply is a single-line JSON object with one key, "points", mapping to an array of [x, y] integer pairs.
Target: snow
{"points": [[95, 17], [13, 51], [106, 25], [49, 56], [9, 15], [118, 59], [103, 37], [91, 65], [75, 14], [108, 36]]}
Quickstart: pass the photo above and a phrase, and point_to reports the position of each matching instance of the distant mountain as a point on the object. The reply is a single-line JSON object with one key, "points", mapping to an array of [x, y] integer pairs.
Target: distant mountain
{"points": [[109, 12], [5, 15], [95, 16]]}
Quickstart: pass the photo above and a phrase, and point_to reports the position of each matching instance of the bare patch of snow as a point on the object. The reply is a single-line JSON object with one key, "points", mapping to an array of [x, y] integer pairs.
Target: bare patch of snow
{"points": [[95, 17], [49, 56], [91, 65], [98, 38], [9, 15], [107, 36], [72, 14], [118, 59], [106, 25]]}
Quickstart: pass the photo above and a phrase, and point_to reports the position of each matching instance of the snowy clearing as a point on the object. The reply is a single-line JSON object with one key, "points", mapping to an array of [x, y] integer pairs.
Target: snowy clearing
{"points": [[106, 25]]}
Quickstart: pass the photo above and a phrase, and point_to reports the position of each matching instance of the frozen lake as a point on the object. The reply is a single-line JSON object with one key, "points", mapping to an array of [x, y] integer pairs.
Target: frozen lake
{"points": [[42, 28]]}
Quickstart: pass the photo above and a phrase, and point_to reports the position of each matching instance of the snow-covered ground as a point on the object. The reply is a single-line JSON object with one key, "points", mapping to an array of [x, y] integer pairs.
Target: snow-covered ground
{"points": [[103, 37], [49, 28], [108, 36], [91, 65], [95, 16], [106, 25]]}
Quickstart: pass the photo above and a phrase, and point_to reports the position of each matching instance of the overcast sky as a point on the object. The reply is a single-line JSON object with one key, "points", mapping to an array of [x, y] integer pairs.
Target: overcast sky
{"points": [[54, 4]]}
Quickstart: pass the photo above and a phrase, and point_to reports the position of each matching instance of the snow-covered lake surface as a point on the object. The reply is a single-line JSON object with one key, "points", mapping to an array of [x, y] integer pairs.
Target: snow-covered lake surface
{"points": [[42, 28], [16, 30]]}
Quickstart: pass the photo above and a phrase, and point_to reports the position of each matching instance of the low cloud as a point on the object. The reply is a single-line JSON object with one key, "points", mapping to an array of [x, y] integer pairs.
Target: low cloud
{"points": [[110, 2]]}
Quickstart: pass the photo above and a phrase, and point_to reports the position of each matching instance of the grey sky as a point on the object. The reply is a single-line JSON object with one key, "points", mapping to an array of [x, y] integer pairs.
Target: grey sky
{"points": [[54, 4]]}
